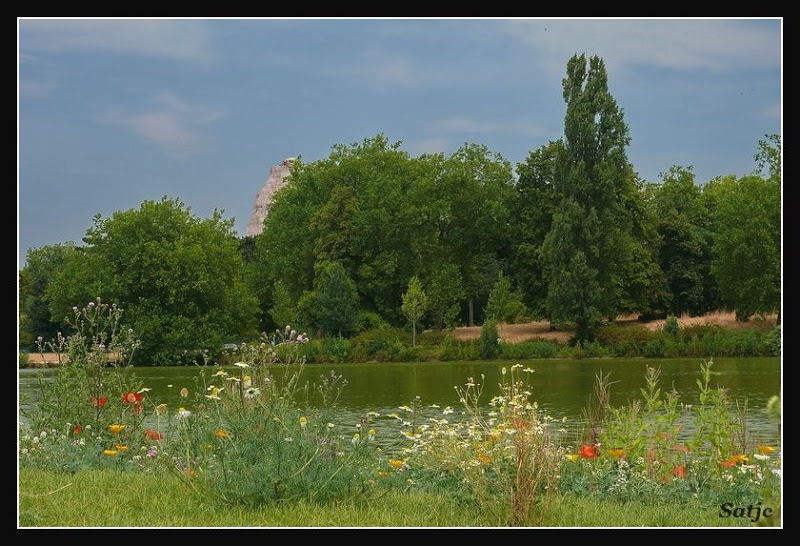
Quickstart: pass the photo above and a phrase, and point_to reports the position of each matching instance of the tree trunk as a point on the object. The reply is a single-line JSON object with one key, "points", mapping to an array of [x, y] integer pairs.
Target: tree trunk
{"points": [[471, 313]]}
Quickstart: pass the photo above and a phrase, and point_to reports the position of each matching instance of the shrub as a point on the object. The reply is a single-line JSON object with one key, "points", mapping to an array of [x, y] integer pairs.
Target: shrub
{"points": [[23, 359], [671, 325], [489, 340]]}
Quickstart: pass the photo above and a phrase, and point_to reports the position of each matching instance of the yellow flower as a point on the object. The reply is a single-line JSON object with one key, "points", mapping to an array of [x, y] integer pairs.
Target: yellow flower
{"points": [[161, 408], [573, 457], [184, 392], [110, 452], [485, 459], [303, 422], [616, 452], [739, 458], [220, 433], [494, 436], [121, 447], [382, 474], [766, 450], [116, 429], [396, 463]]}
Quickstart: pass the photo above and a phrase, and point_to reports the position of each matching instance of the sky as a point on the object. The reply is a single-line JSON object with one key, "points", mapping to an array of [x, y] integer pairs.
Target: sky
{"points": [[113, 112]]}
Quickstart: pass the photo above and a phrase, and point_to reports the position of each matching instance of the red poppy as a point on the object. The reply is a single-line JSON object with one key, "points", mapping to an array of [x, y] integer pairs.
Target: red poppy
{"points": [[77, 429], [131, 398], [679, 471], [99, 402], [588, 451], [153, 434]]}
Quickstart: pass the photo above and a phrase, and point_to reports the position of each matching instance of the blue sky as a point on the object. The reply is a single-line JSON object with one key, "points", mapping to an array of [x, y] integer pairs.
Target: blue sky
{"points": [[115, 112]]}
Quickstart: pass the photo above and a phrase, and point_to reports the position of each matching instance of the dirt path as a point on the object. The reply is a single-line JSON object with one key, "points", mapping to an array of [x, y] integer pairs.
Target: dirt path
{"points": [[514, 333]]}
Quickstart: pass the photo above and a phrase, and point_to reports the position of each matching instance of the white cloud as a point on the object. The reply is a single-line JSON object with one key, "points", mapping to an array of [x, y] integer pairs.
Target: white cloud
{"points": [[171, 39], [173, 124], [715, 45]]}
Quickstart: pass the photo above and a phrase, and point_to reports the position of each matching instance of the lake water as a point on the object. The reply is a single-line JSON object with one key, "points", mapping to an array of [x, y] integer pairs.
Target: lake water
{"points": [[561, 387]]}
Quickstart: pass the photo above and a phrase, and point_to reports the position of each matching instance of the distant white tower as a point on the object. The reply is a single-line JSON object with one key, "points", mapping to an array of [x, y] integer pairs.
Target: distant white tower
{"points": [[278, 177]]}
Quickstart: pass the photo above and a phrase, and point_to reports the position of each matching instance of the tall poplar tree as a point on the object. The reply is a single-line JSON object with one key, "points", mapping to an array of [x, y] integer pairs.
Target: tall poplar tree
{"points": [[589, 245]]}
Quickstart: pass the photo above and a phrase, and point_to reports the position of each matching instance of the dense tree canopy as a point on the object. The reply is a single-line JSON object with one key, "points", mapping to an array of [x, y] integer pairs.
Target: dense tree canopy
{"points": [[575, 237], [178, 278]]}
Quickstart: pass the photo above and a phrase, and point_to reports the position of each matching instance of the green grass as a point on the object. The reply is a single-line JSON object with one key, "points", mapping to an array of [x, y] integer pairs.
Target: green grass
{"points": [[115, 499]]}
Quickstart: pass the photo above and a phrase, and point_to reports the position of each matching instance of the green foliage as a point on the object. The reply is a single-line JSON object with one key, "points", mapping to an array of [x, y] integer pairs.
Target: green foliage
{"points": [[643, 454], [42, 265], [590, 246], [489, 340], [333, 305], [283, 311], [179, 277], [247, 442], [747, 244], [775, 341], [504, 303], [23, 359], [683, 226], [445, 293], [415, 303], [671, 325], [94, 404], [533, 205], [506, 462]]}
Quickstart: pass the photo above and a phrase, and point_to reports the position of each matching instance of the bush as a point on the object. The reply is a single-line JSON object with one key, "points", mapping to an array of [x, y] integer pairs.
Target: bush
{"points": [[774, 341], [489, 340], [671, 325], [23, 359]]}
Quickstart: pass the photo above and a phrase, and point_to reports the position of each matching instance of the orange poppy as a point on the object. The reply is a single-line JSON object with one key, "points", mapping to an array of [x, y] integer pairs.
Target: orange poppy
{"points": [[679, 471], [588, 451], [220, 433], [77, 429], [153, 434], [616, 452]]}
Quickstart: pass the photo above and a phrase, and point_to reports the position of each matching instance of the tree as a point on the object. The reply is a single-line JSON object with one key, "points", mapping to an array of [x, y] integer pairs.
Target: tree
{"points": [[590, 243], [445, 293], [504, 303], [415, 303], [333, 305], [532, 214], [41, 267], [747, 244], [684, 253], [179, 279], [768, 157], [283, 312]]}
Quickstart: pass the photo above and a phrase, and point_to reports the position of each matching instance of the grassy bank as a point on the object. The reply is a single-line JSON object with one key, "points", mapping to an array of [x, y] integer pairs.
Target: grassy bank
{"points": [[114, 499]]}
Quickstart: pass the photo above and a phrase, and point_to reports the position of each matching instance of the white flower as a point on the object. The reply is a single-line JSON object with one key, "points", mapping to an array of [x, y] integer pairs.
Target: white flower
{"points": [[252, 392], [183, 413], [144, 389], [241, 364], [330, 425], [447, 410], [221, 373]]}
